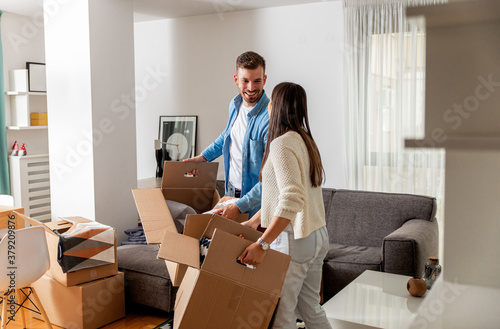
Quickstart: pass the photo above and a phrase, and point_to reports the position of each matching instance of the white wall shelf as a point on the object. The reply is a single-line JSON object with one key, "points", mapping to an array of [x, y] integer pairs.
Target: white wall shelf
{"points": [[22, 101], [31, 93], [27, 128], [29, 174]]}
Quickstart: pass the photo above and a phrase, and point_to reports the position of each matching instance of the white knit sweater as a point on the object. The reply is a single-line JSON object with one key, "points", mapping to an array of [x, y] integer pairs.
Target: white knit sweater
{"points": [[286, 187]]}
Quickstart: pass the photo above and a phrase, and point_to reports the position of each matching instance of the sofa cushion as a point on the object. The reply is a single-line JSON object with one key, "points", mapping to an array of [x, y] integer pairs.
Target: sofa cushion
{"points": [[343, 264], [146, 277], [364, 218], [179, 211], [142, 258], [354, 255], [337, 275]]}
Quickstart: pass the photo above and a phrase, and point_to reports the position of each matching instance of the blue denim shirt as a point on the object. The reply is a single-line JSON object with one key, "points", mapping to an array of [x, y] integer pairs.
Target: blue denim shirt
{"points": [[252, 152]]}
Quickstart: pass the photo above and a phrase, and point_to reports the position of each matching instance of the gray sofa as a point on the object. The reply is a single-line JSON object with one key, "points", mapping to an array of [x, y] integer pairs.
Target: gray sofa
{"points": [[387, 232], [367, 230], [147, 281]]}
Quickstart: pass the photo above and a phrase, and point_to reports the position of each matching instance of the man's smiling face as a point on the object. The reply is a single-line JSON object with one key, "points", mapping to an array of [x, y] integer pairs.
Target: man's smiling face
{"points": [[250, 84]]}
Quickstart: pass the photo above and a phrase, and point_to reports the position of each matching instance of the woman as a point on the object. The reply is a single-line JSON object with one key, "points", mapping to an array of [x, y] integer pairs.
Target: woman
{"points": [[292, 208]]}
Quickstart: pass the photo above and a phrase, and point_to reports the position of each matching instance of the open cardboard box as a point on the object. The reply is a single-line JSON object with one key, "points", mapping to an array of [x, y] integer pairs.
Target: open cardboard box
{"points": [[198, 192], [55, 271], [239, 296]]}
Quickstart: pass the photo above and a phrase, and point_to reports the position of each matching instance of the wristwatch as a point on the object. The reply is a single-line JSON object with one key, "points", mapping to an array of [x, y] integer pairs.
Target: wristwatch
{"points": [[263, 244]]}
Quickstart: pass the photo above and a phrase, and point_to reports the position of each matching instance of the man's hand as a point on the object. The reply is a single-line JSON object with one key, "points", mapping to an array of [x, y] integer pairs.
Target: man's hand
{"points": [[230, 211], [198, 158], [253, 255]]}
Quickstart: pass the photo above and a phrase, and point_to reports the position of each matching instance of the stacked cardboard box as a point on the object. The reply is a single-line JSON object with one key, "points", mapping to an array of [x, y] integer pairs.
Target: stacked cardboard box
{"points": [[8, 217], [220, 293], [88, 305], [88, 298]]}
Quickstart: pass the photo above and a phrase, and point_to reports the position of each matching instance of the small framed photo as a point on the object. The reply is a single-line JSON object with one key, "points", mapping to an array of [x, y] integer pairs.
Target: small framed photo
{"points": [[36, 77], [178, 134]]}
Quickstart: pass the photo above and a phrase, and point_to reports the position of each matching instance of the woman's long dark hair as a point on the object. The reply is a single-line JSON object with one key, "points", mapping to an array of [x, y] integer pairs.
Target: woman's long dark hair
{"points": [[289, 113]]}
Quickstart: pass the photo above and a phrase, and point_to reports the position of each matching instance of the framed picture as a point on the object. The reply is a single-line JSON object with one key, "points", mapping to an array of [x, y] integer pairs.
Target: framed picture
{"points": [[36, 77], [179, 134]]}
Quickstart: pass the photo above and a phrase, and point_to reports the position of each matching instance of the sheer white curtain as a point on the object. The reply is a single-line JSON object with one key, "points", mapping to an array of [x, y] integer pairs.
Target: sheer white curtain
{"points": [[385, 79]]}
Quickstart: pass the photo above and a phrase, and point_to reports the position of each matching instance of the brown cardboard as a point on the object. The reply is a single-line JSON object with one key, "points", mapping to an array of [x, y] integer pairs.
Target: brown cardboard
{"points": [[197, 191], [235, 306], [239, 297], [9, 218], [55, 271], [181, 251], [194, 226], [86, 306], [154, 213]]}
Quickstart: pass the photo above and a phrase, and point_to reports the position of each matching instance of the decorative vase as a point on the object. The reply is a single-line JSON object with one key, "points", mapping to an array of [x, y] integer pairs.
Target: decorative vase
{"points": [[416, 286], [432, 271], [159, 160]]}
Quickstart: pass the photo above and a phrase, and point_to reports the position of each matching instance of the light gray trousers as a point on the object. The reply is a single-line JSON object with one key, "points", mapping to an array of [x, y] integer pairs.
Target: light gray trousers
{"points": [[300, 294]]}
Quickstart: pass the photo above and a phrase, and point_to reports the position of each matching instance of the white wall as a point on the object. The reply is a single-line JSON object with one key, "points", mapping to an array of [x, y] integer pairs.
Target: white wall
{"points": [[194, 60], [22, 41], [90, 65]]}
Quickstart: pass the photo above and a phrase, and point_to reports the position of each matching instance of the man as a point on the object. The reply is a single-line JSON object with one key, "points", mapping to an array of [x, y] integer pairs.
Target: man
{"points": [[243, 141]]}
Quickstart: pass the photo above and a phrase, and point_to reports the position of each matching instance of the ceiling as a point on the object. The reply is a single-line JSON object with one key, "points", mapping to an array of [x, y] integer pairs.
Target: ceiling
{"points": [[145, 10]]}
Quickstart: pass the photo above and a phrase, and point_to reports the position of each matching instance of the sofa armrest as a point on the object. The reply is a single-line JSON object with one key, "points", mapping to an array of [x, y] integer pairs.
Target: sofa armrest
{"points": [[406, 250]]}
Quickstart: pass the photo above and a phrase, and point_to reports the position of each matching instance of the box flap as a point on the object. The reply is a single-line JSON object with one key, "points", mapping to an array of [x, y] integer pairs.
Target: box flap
{"points": [[221, 257], [181, 249], [230, 226], [176, 272], [61, 226], [47, 226], [175, 175], [76, 219], [153, 211], [195, 225]]}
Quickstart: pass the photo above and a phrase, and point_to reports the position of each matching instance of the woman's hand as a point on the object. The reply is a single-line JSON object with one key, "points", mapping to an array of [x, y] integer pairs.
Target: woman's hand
{"points": [[250, 223], [253, 255], [253, 222]]}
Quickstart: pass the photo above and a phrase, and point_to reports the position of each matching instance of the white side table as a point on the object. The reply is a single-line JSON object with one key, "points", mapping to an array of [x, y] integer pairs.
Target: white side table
{"points": [[374, 299]]}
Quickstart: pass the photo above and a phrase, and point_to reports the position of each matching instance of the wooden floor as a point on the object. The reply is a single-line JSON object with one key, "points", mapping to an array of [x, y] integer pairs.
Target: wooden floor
{"points": [[137, 318]]}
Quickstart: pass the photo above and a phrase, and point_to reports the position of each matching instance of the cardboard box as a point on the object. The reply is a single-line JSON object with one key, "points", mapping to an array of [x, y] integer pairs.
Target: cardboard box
{"points": [[8, 217], [198, 192], [222, 293], [55, 271], [39, 119], [195, 226], [39, 122], [86, 306], [38, 116]]}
